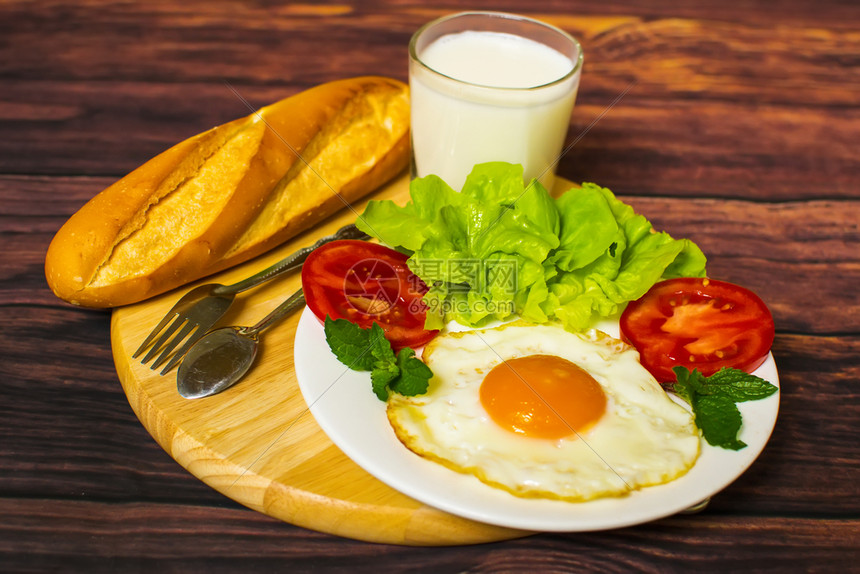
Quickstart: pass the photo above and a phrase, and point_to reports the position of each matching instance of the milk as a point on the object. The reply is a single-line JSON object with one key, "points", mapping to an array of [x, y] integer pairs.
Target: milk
{"points": [[489, 96]]}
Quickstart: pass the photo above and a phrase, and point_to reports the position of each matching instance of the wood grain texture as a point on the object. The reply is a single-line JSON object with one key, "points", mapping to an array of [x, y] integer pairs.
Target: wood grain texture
{"points": [[257, 442], [120, 537], [106, 536], [711, 107], [739, 130]]}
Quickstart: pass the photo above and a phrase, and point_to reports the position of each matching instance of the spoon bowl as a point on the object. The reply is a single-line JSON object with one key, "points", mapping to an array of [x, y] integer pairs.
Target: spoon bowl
{"points": [[222, 357], [216, 362]]}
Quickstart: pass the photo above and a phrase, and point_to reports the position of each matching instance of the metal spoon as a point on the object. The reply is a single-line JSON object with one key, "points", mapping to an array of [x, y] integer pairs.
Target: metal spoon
{"points": [[223, 356]]}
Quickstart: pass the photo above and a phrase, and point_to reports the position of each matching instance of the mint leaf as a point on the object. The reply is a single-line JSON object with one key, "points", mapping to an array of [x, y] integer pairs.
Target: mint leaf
{"points": [[684, 387], [415, 375], [738, 385], [382, 375], [349, 343], [385, 368], [369, 350], [720, 421], [380, 348], [713, 401]]}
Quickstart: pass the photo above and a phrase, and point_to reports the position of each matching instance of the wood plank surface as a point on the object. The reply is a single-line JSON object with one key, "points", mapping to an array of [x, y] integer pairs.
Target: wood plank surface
{"points": [[122, 537], [739, 130]]}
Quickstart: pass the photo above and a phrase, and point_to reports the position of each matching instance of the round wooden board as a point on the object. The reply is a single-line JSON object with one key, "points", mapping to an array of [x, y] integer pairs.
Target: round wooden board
{"points": [[256, 442]]}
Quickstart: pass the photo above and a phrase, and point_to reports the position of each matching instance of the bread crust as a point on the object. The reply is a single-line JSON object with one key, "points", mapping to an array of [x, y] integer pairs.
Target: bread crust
{"points": [[231, 193]]}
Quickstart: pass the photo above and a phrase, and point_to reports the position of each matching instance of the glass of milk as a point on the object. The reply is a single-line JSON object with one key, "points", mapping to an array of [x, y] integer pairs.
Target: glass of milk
{"points": [[489, 86]]}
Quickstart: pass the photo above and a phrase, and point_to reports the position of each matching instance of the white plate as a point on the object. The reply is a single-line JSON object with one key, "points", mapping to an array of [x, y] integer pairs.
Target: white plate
{"points": [[354, 419]]}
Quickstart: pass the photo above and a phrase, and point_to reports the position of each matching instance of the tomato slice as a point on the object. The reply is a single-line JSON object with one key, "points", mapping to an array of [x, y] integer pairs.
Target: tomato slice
{"points": [[699, 324], [367, 283]]}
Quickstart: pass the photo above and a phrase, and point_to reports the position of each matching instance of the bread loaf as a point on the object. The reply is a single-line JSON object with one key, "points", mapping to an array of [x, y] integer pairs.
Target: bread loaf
{"points": [[231, 193]]}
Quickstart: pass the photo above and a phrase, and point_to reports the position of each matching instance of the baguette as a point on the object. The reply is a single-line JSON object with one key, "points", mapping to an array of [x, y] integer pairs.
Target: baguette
{"points": [[232, 193]]}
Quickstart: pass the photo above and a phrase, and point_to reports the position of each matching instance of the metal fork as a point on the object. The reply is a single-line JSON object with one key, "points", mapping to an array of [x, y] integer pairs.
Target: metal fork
{"points": [[199, 309]]}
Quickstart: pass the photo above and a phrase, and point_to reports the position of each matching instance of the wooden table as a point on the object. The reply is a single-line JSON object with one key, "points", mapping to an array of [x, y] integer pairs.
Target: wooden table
{"points": [[740, 130]]}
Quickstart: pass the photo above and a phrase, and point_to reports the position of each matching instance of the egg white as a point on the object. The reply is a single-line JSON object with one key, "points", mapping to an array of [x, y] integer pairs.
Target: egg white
{"points": [[643, 438]]}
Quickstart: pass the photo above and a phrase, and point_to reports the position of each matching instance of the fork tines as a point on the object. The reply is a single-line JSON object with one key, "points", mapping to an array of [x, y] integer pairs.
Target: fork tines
{"points": [[190, 332]]}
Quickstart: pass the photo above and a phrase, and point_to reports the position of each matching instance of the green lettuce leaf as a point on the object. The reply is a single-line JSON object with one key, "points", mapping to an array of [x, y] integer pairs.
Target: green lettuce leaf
{"points": [[588, 228], [499, 248]]}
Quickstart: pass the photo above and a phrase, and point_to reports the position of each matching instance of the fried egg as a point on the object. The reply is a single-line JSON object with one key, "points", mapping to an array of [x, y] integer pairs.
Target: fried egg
{"points": [[545, 413]]}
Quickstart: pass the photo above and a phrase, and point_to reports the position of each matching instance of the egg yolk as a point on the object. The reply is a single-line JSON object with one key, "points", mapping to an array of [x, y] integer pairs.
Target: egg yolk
{"points": [[542, 396]]}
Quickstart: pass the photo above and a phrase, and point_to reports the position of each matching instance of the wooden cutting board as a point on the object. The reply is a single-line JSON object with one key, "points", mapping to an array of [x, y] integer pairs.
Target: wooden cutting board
{"points": [[256, 442]]}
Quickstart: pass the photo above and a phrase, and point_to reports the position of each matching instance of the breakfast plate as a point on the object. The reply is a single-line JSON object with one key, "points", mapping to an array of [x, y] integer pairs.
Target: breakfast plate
{"points": [[346, 409]]}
